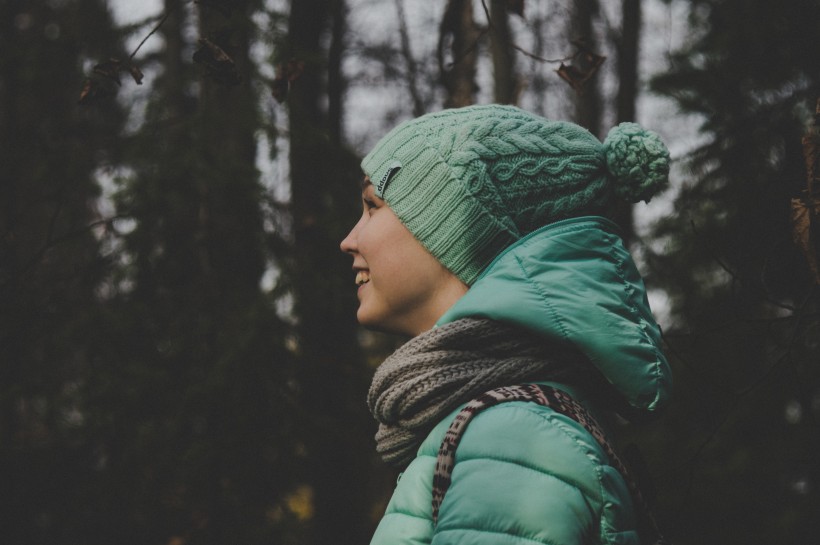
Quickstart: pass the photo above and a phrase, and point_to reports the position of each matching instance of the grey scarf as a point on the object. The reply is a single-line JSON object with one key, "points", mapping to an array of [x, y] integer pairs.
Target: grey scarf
{"points": [[435, 372]]}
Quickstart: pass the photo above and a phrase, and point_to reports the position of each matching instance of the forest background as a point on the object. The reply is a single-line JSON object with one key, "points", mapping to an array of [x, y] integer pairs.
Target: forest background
{"points": [[179, 358]]}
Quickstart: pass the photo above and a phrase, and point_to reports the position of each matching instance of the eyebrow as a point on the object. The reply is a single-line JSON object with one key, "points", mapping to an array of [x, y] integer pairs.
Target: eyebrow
{"points": [[365, 182]]}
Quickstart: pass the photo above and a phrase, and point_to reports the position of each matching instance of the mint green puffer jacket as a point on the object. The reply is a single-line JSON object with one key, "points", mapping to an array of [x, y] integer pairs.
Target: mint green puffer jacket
{"points": [[525, 474]]}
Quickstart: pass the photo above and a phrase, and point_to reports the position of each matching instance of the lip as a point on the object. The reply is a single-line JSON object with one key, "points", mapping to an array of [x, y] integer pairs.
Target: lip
{"points": [[360, 289], [358, 270]]}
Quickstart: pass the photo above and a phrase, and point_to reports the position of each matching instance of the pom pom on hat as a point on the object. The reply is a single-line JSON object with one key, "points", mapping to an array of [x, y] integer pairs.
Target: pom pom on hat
{"points": [[638, 160]]}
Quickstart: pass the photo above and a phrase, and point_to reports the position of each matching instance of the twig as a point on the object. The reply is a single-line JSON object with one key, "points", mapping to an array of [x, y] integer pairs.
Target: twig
{"points": [[799, 315], [735, 280], [677, 354], [743, 393], [487, 13], [517, 47], [690, 464], [52, 242], [153, 31], [763, 272], [542, 59], [418, 104], [714, 255], [467, 51]]}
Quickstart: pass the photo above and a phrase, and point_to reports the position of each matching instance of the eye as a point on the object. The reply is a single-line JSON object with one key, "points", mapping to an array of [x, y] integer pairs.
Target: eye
{"points": [[369, 205], [370, 201]]}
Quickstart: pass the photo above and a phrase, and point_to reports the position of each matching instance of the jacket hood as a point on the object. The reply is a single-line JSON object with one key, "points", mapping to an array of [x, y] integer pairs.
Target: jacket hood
{"points": [[574, 281]]}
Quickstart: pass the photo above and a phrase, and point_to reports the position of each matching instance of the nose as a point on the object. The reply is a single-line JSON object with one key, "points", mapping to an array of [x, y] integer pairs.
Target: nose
{"points": [[349, 244]]}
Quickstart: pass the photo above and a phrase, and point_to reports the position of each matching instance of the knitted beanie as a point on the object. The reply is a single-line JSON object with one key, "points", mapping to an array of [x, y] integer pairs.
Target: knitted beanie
{"points": [[469, 182]]}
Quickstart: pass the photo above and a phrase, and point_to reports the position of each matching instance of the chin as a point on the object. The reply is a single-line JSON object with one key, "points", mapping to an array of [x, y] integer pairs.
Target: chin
{"points": [[368, 321], [374, 323]]}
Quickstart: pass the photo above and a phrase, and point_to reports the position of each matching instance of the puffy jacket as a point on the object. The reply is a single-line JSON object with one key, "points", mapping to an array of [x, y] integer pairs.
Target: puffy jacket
{"points": [[525, 474]]}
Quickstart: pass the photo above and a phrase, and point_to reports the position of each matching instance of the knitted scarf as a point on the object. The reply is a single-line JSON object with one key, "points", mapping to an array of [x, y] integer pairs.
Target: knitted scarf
{"points": [[435, 372]]}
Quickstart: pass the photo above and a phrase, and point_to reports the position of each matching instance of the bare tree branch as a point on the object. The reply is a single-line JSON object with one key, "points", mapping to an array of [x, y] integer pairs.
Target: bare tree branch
{"points": [[153, 31], [407, 52]]}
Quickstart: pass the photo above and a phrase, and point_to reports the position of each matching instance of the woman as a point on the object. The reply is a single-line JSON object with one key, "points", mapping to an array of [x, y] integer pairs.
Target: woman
{"points": [[482, 237]]}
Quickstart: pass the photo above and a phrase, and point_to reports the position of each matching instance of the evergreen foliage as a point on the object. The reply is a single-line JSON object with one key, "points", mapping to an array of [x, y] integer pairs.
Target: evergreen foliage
{"points": [[50, 263], [746, 332], [193, 388]]}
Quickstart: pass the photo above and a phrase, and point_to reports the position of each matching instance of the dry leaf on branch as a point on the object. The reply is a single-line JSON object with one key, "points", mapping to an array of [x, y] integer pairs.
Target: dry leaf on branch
{"points": [[103, 77], [112, 67], [136, 73], [806, 230], [286, 74], [218, 64], [811, 153], [586, 65], [806, 207], [109, 69], [93, 90]]}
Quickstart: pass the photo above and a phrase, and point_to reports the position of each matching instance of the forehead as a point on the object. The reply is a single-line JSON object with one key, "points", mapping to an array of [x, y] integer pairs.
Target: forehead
{"points": [[367, 188], [365, 183]]}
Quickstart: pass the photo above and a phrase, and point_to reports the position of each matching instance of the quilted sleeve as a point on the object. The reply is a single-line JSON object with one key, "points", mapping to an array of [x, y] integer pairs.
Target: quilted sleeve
{"points": [[525, 474], [408, 519]]}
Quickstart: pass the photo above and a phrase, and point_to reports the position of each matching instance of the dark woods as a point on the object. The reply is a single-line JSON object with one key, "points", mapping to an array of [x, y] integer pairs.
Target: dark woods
{"points": [[179, 357]]}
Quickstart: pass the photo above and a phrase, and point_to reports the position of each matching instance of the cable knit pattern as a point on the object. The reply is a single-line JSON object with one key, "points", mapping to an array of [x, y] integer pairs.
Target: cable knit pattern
{"points": [[435, 372], [638, 160], [474, 180]]}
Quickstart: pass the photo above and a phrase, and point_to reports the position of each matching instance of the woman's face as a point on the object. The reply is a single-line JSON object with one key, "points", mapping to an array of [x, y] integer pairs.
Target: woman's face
{"points": [[402, 287]]}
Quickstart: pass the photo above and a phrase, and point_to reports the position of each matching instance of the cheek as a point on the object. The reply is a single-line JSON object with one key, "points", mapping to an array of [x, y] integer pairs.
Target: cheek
{"points": [[394, 256], [389, 264], [378, 245], [368, 247], [414, 274]]}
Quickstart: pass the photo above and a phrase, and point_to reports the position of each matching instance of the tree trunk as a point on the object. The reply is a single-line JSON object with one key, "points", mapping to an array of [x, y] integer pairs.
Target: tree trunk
{"points": [[324, 199], [627, 93], [335, 79], [588, 100], [50, 261], [538, 83], [505, 84], [628, 60], [176, 72], [458, 29]]}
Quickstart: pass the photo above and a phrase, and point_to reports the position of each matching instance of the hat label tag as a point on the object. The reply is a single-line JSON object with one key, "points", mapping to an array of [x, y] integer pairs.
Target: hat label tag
{"points": [[392, 168]]}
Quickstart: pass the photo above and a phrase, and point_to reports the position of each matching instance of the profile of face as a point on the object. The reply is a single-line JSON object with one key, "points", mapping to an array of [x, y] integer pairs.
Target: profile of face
{"points": [[402, 287]]}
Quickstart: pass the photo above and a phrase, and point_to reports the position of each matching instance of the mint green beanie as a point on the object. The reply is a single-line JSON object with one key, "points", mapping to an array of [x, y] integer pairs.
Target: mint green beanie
{"points": [[471, 181]]}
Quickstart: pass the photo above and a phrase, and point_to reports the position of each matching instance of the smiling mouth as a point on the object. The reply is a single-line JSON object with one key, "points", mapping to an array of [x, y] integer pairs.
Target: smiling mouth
{"points": [[362, 278]]}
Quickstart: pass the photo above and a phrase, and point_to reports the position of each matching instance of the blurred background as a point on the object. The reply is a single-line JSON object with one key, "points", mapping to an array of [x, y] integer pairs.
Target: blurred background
{"points": [[179, 357]]}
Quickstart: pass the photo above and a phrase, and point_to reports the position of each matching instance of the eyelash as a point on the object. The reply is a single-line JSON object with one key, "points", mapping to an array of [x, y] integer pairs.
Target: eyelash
{"points": [[370, 205]]}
